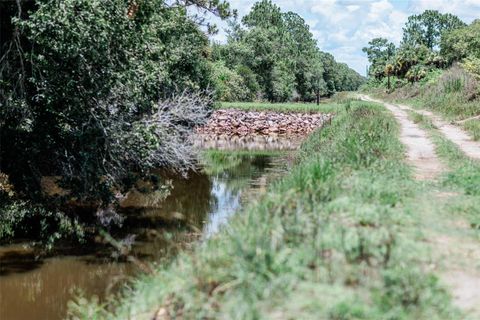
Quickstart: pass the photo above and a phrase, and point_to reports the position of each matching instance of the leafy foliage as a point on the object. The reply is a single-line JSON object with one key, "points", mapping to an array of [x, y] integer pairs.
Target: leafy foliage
{"points": [[379, 52], [464, 45], [100, 90], [427, 28], [282, 54], [431, 40], [229, 85]]}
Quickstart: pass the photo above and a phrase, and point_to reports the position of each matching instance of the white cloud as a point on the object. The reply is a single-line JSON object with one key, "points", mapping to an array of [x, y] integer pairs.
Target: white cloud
{"points": [[379, 9], [344, 27], [468, 10], [352, 8], [325, 7]]}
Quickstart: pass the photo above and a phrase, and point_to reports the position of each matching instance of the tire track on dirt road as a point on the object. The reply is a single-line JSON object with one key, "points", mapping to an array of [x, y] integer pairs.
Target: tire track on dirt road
{"points": [[420, 151], [452, 132]]}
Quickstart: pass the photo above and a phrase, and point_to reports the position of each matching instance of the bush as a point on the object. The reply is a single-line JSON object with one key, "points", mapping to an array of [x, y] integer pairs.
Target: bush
{"points": [[472, 65], [228, 84], [95, 103], [102, 89], [457, 80]]}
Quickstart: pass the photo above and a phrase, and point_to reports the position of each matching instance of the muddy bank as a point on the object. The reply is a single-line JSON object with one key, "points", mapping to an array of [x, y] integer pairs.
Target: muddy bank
{"points": [[238, 122]]}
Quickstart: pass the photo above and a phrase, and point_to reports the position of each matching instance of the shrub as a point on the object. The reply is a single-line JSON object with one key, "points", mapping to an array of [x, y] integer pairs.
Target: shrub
{"points": [[100, 91], [228, 84], [472, 65], [457, 80]]}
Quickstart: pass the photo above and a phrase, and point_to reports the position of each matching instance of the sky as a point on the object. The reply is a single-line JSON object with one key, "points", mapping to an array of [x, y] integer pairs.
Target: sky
{"points": [[344, 27]]}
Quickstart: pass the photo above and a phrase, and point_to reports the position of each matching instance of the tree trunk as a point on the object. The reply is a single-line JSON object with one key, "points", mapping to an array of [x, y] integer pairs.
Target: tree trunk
{"points": [[318, 98]]}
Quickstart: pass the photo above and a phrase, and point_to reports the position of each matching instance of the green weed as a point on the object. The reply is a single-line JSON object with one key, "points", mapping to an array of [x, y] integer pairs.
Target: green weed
{"points": [[473, 126], [464, 177], [281, 107]]}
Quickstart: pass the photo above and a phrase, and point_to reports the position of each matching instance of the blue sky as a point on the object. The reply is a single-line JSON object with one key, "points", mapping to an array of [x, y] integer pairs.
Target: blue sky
{"points": [[344, 27]]}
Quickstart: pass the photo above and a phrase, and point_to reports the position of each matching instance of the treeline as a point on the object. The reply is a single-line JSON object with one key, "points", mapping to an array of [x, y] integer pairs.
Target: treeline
{"points": [[272, 55], [431, 41]]}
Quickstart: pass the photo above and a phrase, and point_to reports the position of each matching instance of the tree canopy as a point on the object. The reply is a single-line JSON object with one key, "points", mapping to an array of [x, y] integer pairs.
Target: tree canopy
{"points": [[95, 91], [282, 57], [427, 28], [431, 40]]}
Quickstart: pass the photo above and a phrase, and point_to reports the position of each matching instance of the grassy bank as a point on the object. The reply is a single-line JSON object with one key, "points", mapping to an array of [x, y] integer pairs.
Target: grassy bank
{"points": [[337, 238], [280, 107], [454, 94]]}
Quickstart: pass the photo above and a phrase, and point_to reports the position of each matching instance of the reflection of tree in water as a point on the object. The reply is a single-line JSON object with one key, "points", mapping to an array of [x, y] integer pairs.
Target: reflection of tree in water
{"points": [[49, 284], [236, 169], [182, 211], [211, 195], [190, 197], [232, 173], [163, 225]]}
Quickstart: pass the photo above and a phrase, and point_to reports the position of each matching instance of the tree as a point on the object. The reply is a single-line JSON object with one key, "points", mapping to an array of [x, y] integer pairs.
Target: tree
{"points": [[282, 53], [461, 43], [104, 89], [317, 79], [301, 52], [427, 28], [408, 56], [264, 14], [379, 51], [389, 68], [283, 83]]}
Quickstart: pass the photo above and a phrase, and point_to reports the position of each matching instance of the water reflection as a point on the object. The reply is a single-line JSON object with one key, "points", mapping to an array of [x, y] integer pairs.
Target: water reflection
{"points": [[163, 223], [248, 142]]}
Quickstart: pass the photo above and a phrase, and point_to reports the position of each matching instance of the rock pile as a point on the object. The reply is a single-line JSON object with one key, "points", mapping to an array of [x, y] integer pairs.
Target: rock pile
{"points": [[238, 122]]}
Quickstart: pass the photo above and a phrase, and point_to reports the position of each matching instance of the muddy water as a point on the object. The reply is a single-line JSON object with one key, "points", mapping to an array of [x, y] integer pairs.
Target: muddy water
{"points": [[156, 226]]}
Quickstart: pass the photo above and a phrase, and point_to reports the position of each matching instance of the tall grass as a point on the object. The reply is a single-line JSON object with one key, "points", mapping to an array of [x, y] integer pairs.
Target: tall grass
{"points": [[473, 126], [464, 176], [455, 94], [334, 239], [280, 107]]}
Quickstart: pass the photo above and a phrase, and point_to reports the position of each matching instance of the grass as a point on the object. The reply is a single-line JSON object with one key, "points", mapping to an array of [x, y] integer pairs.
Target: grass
{"points": [[280, 107], [463, 176], [473, 126], [454, 95], [336, 238], [450, 105]]}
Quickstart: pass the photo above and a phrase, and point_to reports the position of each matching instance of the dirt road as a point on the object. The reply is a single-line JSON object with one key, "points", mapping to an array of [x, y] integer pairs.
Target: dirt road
{"points": [[455, 248]]}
